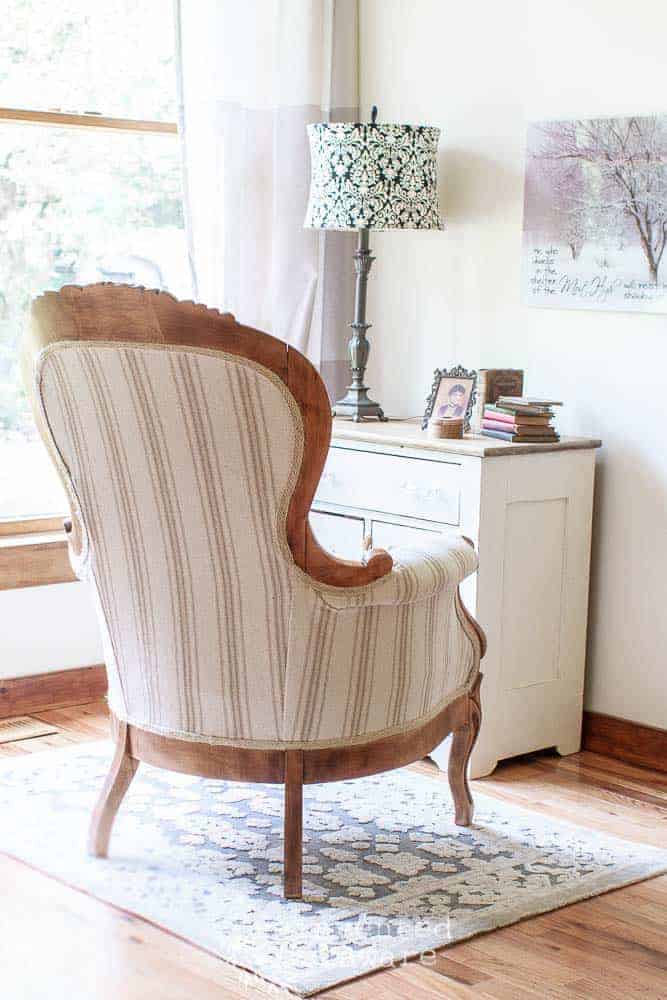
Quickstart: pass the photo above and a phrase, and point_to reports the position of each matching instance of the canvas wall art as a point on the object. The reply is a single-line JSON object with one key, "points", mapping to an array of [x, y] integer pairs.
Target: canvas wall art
{"points": [[595, 214]]}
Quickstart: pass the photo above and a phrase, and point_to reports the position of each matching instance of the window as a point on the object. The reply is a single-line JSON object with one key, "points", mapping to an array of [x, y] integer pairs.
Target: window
{"points": [[90, 185]]}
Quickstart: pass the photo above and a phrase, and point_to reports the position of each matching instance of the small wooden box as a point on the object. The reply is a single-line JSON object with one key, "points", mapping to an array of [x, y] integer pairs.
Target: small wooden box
{"points": [[452, 427]]}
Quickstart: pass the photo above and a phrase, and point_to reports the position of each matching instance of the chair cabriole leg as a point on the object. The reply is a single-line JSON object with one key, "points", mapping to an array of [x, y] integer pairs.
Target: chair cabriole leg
{"points": [[463, 741], [293, 824], [123, 769]]}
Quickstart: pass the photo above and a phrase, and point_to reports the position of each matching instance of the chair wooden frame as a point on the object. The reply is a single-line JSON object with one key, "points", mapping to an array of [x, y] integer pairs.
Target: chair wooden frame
{"points": [[124, 314], [127, 314], [293, 768]]}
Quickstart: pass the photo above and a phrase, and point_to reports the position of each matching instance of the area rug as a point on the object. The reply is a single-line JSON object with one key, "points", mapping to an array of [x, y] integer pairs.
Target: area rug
{"points": [[387, 873]]}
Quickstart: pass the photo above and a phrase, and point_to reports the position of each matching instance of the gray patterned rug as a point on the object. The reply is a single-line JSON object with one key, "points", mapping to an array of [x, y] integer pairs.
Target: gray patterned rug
{"points": [[387, 873]]}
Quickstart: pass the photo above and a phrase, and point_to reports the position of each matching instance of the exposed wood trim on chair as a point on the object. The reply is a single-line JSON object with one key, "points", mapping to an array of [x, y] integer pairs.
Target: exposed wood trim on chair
{"points": [[293, 841], [131, 315], [632, 742], [123, 769], [337, 763], [296, 767], [33, 560], [463, 741], [111, 315], [60, 689]]}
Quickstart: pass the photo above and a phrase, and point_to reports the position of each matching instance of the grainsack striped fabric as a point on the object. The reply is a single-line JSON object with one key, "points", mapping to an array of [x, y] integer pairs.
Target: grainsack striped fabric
{"points": [[182, 463]]}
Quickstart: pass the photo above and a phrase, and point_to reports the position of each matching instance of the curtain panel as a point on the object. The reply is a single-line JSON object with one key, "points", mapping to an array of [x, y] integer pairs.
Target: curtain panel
{"points": [[251, 76]]}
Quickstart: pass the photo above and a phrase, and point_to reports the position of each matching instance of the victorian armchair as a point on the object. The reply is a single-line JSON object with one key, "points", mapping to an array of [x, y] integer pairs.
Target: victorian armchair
{"points": [[236, 647]]}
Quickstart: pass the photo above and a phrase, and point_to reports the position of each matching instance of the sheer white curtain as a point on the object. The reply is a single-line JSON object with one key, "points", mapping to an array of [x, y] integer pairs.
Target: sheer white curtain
{"points": [[252, 75]]}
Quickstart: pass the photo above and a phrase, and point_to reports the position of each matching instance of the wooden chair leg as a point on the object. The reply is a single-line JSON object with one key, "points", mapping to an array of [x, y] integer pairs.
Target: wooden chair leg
{"points": [[463, 741], [118, 780], [293, 824]]}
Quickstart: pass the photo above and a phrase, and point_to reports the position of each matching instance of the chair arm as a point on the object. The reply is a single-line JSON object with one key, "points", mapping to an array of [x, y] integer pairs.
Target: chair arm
{"points": [[437, 564], [327, 568]]}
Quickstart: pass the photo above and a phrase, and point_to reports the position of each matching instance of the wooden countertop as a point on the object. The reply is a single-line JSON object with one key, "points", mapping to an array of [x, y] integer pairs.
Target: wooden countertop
{"points": [[408, 434]]}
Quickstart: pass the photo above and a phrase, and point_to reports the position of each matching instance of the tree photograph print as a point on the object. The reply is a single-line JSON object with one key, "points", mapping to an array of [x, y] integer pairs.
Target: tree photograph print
{"points": [[595, 214]]}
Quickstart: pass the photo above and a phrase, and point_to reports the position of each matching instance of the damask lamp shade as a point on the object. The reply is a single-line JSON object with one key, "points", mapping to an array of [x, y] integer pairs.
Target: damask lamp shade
{"points": [[370, 176]]}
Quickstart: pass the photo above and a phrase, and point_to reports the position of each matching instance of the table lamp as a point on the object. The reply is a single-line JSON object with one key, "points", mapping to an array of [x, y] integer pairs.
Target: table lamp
{"points": [[367, 176]]}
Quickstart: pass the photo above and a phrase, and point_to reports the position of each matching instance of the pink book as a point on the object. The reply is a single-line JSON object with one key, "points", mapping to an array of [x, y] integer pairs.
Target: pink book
{"points": [[521, 430], [504, 418], [517, 419]]}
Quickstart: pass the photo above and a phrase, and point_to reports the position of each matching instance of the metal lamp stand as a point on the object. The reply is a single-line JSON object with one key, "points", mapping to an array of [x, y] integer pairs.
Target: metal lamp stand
{"points": [[355, 403]]}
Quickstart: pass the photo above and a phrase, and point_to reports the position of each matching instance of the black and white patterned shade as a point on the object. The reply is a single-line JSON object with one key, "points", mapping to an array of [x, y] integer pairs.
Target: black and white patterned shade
{"points": [[373, 176]]}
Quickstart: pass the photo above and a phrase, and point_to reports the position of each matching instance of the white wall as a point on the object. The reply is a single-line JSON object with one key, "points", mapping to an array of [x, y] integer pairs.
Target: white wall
{"points": [[480, 70], [47, 628]]}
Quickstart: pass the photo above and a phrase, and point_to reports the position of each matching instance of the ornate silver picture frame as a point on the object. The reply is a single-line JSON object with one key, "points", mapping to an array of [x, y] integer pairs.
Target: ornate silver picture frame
{"points": [[452, 395]]}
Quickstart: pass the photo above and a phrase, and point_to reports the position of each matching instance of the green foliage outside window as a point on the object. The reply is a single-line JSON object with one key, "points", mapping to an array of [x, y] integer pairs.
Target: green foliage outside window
{"points": [[80, 204]]}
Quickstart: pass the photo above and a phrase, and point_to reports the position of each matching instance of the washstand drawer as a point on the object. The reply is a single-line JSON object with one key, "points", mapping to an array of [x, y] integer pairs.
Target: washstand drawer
{"points": [[407, 487], [341, 535], [386, 535]]}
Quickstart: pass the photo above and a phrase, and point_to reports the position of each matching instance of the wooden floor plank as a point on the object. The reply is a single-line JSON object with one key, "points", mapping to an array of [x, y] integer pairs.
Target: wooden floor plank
{"points": [[91, 721], [629, 775], [459, 972], [612, 946], [414, 980], [90, 950]]}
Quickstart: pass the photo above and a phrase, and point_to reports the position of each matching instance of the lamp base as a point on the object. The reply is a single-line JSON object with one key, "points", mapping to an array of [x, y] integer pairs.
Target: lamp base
{"points": [[356, 405]]}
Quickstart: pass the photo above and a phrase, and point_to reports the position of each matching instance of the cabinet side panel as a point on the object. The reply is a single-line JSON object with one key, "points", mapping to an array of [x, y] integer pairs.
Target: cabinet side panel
{"points": [[533, 578]]}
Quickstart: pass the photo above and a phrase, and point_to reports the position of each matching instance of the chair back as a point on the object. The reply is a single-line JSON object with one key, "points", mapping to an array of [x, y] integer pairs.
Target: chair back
{"points": [[190, 447]]}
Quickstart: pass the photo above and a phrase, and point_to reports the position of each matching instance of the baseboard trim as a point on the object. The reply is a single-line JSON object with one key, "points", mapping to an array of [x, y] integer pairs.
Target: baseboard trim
{"points": [[59, 689], [632, 742]]}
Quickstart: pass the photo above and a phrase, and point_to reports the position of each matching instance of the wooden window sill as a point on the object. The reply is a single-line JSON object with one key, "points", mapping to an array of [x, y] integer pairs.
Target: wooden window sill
{"points": [[32, 525], [87, 120], [34, 559]]}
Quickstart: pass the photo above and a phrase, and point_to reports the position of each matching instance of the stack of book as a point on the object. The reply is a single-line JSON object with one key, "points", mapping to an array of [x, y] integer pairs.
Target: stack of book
{"points": [[524, 419]]}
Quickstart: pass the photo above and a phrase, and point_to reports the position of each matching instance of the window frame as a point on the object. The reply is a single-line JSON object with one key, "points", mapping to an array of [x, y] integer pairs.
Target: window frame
{"points": [[88, 119], [33, 550]]}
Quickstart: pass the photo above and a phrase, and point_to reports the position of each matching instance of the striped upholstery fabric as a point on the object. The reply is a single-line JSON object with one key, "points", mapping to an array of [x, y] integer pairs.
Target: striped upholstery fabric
{"points": [[181, 462], [418, 574]]}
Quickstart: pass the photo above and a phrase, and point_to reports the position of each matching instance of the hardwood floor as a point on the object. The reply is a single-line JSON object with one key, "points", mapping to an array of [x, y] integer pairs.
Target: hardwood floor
{"points": [[57, 942]]}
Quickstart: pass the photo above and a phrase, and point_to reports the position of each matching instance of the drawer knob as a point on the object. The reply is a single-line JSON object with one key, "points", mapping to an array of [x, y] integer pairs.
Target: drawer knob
{"points": [[426, 493]]}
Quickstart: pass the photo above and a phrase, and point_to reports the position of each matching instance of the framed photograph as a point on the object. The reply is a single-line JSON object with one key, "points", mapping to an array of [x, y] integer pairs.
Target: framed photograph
{"points": [[452, 395]]}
